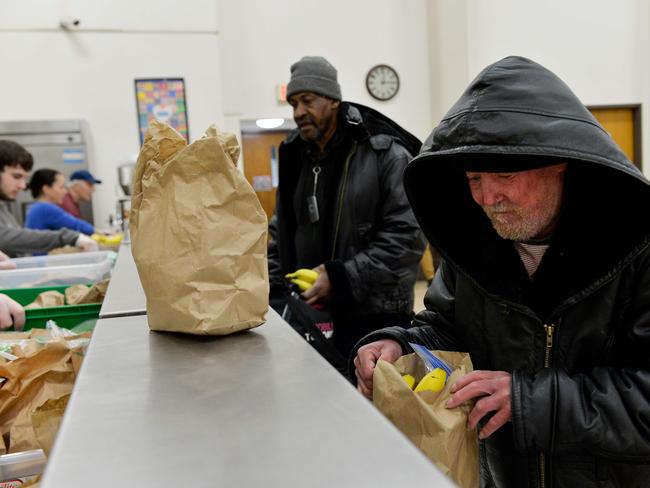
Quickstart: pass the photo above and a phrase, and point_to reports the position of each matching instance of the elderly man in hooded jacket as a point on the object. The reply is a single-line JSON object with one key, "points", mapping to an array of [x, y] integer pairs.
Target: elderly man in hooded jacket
{"points": [[545, 281]]}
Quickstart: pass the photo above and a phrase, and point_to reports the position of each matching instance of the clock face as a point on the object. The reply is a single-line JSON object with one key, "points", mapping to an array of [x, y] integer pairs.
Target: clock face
{"points": [[382, 82]]}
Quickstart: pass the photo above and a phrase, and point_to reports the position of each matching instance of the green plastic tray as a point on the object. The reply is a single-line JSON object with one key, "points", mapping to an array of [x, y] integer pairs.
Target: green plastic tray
{"points": [[66, 316]]}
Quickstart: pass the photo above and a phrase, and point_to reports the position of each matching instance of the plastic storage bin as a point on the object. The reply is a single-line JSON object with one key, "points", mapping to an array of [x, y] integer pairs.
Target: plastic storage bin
{"points": [[66, 316], [58, 270]]}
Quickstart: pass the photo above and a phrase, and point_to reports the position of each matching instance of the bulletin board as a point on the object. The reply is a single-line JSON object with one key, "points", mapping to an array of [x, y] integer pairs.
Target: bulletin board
{"points": [[162, 99]]}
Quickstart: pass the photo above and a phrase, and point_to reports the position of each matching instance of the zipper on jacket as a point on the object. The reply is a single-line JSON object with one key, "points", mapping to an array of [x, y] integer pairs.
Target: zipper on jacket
{"points": [[339, 208], [542, 470], [549, 330]]}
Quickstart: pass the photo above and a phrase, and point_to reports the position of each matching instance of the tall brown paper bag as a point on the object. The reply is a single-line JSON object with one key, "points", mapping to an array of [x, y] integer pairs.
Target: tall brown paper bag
{"points": [[198, 235], [440, 433]]}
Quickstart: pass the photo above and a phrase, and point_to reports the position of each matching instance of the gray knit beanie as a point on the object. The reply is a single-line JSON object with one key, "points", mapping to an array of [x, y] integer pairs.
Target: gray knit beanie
{"points": [[314, 74]]}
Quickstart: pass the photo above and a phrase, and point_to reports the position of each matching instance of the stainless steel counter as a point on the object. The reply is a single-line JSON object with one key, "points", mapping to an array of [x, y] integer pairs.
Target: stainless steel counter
{"points": [[125, 295], [258, 408]]}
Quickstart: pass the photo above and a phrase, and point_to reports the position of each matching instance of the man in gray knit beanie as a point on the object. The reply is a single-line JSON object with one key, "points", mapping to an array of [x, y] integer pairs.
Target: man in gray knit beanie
{"points": [[341, 211], [315, 95]]}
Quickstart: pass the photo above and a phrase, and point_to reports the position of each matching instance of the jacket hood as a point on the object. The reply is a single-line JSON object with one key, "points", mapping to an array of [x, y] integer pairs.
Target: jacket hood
{"points": [[518, 115]]}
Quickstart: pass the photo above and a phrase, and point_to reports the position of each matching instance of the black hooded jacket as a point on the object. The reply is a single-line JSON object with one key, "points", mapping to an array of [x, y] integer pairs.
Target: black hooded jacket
{"points": [[575, 336], [376, 243]]}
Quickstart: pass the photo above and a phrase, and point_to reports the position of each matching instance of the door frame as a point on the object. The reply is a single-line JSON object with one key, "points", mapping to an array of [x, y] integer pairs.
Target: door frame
{"points": [[636, 114]]}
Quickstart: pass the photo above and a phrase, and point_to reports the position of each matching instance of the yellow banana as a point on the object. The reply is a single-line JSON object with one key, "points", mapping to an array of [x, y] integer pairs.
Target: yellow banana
{"points": [[409, 380], [108, 240], [302, 284], [434, 381], [308, 275]]}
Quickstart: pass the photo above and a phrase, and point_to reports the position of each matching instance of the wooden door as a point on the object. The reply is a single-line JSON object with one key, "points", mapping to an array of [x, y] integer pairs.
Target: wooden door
{"points": [[260, 153], [623, 124]]}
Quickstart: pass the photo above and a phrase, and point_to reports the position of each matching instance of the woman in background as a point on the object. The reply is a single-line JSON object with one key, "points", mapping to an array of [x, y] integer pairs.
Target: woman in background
{"points": [[48, 189]]}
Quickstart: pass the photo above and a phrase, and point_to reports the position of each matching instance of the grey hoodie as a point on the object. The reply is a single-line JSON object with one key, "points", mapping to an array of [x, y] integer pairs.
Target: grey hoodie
{"points": [[14, 240]]}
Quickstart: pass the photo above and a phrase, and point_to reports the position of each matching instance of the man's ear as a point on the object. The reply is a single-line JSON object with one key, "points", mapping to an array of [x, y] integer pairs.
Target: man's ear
{"points": [[336, 103]]}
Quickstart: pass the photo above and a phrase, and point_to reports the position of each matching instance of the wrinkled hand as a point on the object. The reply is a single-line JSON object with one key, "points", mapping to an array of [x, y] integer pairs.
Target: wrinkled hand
{"points": [[6, 262], [321, 290], [11, 313], [86, 243], [493, 390], [366, 360]]}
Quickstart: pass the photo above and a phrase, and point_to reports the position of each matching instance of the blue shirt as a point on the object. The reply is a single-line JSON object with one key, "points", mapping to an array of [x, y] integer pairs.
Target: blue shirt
{"points": [[48, 216]]}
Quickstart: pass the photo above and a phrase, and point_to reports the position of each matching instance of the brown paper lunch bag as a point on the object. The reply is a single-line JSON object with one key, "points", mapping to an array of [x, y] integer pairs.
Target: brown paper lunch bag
{"points": [[440, 433], [198, 235]]}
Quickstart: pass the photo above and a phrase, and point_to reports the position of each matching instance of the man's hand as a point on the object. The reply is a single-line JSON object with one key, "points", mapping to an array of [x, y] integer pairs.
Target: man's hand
{"points": [[11, 313], [493, 390], [6, 262], [321, 290], [366, 360], [86, 243]]}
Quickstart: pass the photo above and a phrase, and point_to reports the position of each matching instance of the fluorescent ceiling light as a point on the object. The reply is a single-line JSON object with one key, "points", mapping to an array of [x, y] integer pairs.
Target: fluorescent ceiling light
{"points": [[269, 123]]}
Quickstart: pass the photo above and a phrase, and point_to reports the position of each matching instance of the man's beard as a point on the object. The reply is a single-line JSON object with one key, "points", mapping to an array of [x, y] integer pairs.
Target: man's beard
{"points": [[516, 224], [317, 132]]}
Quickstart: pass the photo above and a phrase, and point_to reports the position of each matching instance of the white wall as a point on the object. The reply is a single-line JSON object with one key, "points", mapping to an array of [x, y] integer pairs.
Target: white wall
{"points": [[116, 15], [89, 73], [598, 47], [591, 44], [260, 39], [448, 53]]}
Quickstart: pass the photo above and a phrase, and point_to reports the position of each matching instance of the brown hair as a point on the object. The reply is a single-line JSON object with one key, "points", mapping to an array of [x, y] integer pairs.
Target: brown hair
{"points": [[13, 154]]}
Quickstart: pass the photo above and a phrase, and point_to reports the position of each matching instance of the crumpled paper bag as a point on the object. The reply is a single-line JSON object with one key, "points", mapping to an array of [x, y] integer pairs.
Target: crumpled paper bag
{"points": [[46, 365], [80, 294], [46, 421], [65, 250], [198, 235], [440, 433], [30, 382], [47, 299]]}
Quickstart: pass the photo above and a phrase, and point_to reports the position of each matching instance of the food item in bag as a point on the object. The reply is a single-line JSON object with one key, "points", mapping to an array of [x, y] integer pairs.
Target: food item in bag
{"points": [[439, 432], [432, 381], [198, 235], [409, 380]]}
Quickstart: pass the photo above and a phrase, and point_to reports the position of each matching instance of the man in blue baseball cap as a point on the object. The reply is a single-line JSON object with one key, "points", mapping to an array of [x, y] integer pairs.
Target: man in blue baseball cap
{"points": [[81, 187]]}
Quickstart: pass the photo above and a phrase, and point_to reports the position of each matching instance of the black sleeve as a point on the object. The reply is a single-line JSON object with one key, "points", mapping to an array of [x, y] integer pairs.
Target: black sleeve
{"points": [[275, 272]]}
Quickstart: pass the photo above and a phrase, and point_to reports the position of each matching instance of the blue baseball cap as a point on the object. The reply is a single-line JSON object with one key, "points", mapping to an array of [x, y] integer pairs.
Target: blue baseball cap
{"points": [[85, 175]]}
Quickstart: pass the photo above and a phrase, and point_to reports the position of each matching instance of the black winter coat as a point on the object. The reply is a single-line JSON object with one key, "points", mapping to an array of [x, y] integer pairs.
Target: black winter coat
{"points": [[576, 337], [376, 241]]}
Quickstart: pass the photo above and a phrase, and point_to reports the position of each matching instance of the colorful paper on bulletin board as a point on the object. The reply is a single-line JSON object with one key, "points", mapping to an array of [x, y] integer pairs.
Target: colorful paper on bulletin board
{"points": [[164, 100]]}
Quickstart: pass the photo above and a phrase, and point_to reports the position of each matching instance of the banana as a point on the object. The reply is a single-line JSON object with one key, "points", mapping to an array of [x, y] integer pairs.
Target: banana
{"points": [[434, 381], [307, 275], [108, 240], [302, 284], [409, 380]]}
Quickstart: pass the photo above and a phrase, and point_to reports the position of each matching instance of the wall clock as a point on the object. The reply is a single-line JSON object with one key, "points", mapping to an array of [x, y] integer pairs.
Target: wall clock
{"points": [[382, 82]]}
